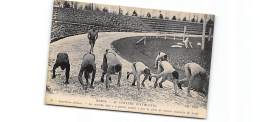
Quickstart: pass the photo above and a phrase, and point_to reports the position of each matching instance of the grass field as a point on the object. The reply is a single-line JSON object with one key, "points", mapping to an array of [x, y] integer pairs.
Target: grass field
{"points": [[178, 57]]}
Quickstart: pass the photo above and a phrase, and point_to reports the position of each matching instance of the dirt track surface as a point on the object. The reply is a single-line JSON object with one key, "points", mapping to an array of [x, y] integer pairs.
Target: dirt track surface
{"points": [[77, 46]]}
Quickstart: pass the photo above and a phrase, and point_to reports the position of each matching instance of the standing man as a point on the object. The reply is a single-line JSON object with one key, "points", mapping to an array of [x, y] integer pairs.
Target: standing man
{"points": [[187, 43], [92, 36]]}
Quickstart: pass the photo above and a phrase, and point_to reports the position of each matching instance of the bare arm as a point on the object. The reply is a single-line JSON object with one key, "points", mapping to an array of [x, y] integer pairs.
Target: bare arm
{"points": [[96, 36], [80, 77], [88, 35], [53, 70]]}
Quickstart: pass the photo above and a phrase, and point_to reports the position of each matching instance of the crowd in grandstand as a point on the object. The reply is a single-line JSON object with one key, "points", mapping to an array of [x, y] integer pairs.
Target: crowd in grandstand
{"points": [[69, 20]]}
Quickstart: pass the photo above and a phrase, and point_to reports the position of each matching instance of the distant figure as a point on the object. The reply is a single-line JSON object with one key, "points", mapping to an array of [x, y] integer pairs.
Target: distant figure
{"points": [[92, 36], [193, 70], [167, 72], [87, 66], [138, 69], [63, 62], [187, 43], [111, 65], [160, 57]]}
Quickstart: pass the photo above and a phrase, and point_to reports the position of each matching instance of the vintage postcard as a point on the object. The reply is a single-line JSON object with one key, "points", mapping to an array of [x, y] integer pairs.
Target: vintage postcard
{"points": [[129, 59]]}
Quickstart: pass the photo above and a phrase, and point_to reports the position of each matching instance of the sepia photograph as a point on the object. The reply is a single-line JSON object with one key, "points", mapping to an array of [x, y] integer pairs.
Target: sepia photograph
{"points": [[129, 59]]}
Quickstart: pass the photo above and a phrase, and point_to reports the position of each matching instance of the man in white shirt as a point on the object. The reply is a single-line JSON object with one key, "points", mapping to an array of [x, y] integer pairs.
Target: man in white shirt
{"points": [[160, 57], [187, 43], [193, 70], [138, 69], [111, 65]]}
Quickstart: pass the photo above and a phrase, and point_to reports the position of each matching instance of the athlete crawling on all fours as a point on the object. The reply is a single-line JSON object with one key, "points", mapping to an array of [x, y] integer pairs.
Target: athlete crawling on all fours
{"points": [[167, 72], [111, 66], [193, 70], [88, 66], [138, 69], [62, 61]]}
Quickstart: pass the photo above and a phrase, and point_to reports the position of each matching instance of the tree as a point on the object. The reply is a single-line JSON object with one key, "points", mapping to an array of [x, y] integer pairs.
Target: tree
{"points": [[210, 22], [134, 13], [74, 5], [161, 16], [201, 20], [66, 4], [173, 17], [193, 19], [148, 15], [105, 10], [58, 2], [97, 9], [127, 13], [120, 11], [203, 32], [184, 19], [87, 7]]}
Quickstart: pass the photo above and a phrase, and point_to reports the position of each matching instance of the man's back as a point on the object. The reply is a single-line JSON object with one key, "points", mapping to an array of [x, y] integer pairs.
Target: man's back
{"points": [[88, 59], [195, 68], [167, 67], [112, 59]]}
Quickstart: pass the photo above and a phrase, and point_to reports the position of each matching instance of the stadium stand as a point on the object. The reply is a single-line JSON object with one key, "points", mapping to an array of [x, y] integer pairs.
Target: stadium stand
{"points": [[70, 21]]}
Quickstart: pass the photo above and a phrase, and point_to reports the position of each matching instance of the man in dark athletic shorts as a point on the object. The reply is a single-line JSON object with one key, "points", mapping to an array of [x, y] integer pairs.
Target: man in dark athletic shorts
{"points": [[92, 36]]}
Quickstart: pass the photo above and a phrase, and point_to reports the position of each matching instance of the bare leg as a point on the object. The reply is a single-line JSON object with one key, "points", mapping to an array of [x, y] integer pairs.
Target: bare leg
{"points": [[92, 79], [138, 82], [133, 84], [86, 75], [189, 86], [102, 77], [189, 77], [163, 80], [156, 64], [157, 78], [128, 74], [67, 74], [175, 81], [119, 78], [80, 77], [91, 49], [107, 80], [156, 82], [145, 78], [190, 45], [91, 42]]}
